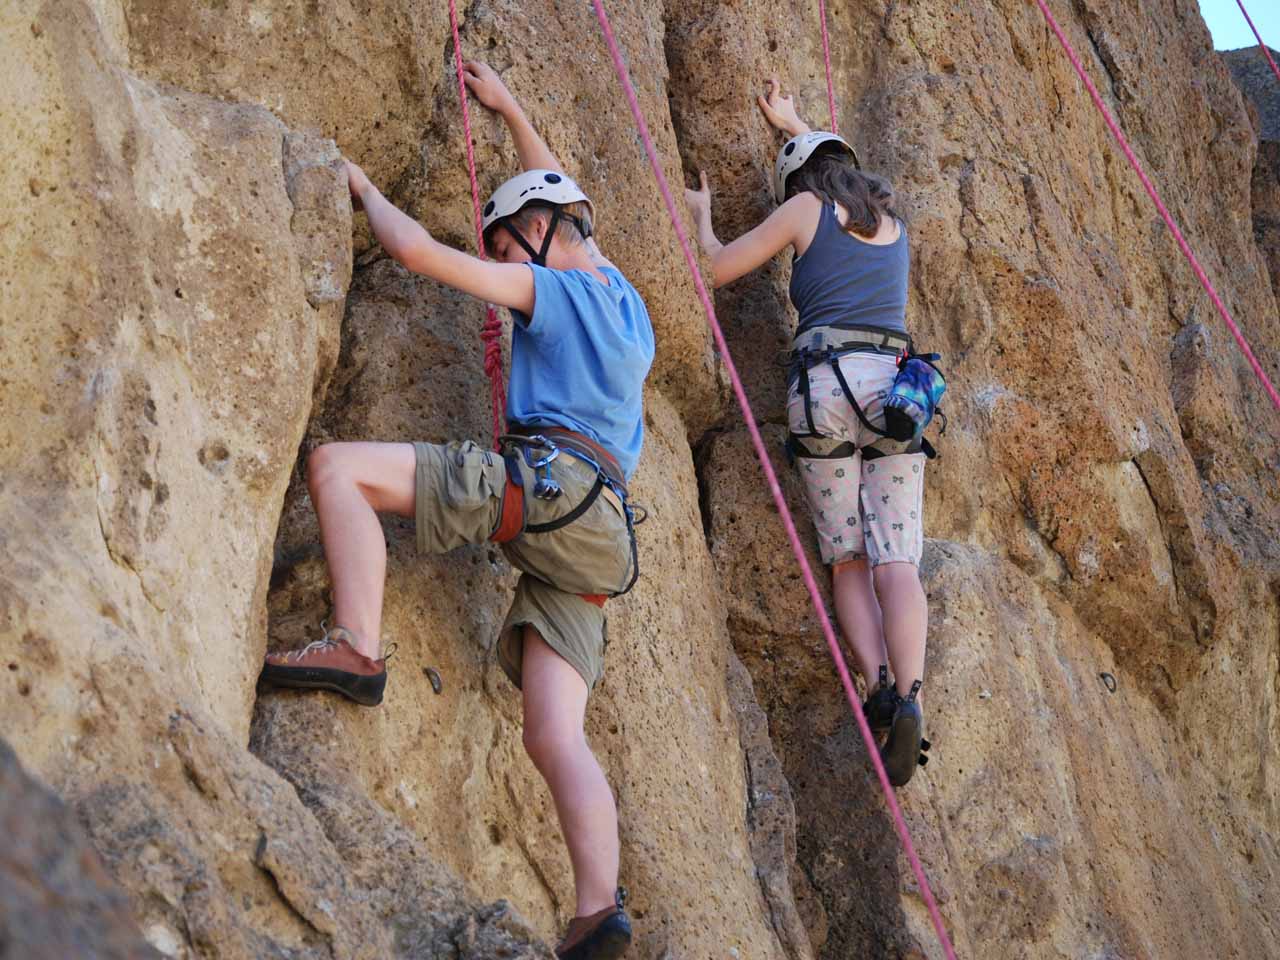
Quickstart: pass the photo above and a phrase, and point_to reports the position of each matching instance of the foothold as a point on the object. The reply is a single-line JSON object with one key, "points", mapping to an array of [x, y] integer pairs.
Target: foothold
{"points": [[1108, 681], [434, 676]]}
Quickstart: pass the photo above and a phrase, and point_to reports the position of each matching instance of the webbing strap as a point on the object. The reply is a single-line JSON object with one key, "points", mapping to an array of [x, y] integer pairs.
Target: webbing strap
{"points": [[491, 332], [815, 595], [511, 511], [848, 395], [806, 390], [1164, 213], [572, 515], [1265, 52]]}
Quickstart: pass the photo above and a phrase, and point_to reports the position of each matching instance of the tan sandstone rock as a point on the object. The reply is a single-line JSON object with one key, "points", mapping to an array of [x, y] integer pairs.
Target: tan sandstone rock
{"points": [[180, 319]]}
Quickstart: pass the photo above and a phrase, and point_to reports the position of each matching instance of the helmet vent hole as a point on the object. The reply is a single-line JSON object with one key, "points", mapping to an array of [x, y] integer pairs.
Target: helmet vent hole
{"points": [[488, 208], [552, 178], [790, 149]]}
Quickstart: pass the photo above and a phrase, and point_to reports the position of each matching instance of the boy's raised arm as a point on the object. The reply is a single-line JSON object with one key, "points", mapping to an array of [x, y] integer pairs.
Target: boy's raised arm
{"points": [[487, 87]]}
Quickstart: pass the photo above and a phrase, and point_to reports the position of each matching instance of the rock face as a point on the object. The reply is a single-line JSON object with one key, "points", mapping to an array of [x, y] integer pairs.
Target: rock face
{"points": [[1252, 74], [56, 900], [190, 307]]}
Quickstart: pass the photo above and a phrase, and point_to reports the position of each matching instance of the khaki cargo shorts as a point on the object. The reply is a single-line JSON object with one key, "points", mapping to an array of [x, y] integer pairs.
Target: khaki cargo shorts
{"points": [[458, 500], [861, 506]]}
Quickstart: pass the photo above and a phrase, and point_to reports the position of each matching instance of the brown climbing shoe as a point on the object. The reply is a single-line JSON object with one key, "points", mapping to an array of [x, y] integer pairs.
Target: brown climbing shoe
{"points": [[330, 663], [605, 935]]}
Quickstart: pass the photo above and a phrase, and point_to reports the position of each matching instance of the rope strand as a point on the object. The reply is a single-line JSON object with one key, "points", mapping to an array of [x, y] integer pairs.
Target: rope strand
{"points": [[826, 59], [772, 480], [491, 330]]}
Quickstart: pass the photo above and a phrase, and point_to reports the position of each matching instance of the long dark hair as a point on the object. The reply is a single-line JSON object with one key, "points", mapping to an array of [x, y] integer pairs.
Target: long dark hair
{"points": [[829, 174]]}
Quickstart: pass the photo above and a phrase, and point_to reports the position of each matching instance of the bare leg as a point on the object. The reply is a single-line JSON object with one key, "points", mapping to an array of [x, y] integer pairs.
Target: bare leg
{"points": [[555, 703], [350, 484], [858, 612], [906, 620]]}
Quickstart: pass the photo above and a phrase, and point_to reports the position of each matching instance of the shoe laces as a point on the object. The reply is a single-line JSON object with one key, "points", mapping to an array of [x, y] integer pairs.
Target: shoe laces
{"points": [[315, 646], [330, 640]]}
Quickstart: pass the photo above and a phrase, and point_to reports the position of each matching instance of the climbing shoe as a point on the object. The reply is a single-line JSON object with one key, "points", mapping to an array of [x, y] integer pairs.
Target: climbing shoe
{"points": [[330, 663], [880, 706], [904, 748], [604, 935]]}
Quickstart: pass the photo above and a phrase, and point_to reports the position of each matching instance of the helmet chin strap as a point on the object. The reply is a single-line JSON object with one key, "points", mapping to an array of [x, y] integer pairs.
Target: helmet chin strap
{"points": [[540, 256]]}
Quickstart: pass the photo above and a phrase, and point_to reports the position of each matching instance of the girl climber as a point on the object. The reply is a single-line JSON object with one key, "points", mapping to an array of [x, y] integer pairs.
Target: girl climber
{"points": [[849, 286]]}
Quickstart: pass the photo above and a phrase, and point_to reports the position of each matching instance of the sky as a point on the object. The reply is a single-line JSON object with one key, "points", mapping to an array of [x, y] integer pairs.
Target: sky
{"points": [[1230, 29]]}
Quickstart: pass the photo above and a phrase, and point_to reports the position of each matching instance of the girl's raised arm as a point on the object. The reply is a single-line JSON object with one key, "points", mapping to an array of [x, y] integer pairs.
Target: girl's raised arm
{"points": [[790, 224]]}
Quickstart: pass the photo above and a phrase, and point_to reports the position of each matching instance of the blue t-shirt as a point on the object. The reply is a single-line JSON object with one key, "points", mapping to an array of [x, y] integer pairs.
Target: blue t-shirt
{"points": [[580, 360]]}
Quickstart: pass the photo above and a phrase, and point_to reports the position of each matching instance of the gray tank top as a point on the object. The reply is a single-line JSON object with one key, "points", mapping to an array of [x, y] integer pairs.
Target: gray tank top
{"points": [[841, 281]]}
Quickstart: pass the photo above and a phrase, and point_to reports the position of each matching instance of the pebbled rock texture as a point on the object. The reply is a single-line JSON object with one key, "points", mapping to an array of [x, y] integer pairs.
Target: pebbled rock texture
{"points": [[189, 307], [56, 898]]}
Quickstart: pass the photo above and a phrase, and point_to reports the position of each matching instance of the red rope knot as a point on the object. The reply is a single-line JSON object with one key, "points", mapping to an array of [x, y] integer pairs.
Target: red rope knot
{"points": [[491, 334]]}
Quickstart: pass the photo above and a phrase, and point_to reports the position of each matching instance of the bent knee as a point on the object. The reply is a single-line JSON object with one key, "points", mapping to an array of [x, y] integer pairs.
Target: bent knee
{"points": [[325, 464], [546, 747]]}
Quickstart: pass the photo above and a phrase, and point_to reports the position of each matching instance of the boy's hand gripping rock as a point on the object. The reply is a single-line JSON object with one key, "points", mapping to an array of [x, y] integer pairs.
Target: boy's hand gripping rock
{"points": [[487, 87]]}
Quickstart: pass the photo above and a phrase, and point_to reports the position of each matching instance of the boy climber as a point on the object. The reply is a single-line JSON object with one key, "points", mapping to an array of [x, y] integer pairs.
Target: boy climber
{"points": [[555, 497]]}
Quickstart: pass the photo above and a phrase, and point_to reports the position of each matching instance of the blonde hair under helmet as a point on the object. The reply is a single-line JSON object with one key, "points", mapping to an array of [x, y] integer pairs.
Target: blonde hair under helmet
{"points": [[543, 187]]}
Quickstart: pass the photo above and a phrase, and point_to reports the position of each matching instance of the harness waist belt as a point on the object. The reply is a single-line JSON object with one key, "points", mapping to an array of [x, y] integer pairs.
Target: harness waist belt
{"points": [[573, 442], [822, 339]]}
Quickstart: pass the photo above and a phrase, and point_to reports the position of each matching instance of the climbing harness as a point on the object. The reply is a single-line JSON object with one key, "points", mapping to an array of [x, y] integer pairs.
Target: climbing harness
{"points": [[909, 405], [775, 489], [1265, 52], [1267, 385], [542, 187], [527, 444], [796, 152], [491, 332]]}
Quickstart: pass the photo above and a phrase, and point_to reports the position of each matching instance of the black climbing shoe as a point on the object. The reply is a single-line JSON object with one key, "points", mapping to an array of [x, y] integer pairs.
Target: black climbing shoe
{"points": [[605, 935], [880, 706], [903, 750]]}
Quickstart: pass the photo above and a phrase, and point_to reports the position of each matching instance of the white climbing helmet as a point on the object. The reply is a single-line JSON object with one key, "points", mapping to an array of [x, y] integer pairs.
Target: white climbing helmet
{"points": [[796, 151], [548, 186]]}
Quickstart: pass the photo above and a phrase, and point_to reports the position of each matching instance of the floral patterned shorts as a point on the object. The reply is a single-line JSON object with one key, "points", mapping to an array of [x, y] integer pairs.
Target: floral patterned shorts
{"points": [[862, 504]]}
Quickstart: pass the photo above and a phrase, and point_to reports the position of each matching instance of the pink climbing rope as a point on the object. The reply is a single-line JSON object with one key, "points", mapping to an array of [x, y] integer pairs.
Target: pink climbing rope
{"points": [[826, 59], [772, 479], [491, 332], [1262, 46], [1155, 197]]}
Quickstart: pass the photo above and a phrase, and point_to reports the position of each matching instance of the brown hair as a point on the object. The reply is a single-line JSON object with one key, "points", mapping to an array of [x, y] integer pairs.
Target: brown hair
{"points": [[829, 174], [568, 233]]}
